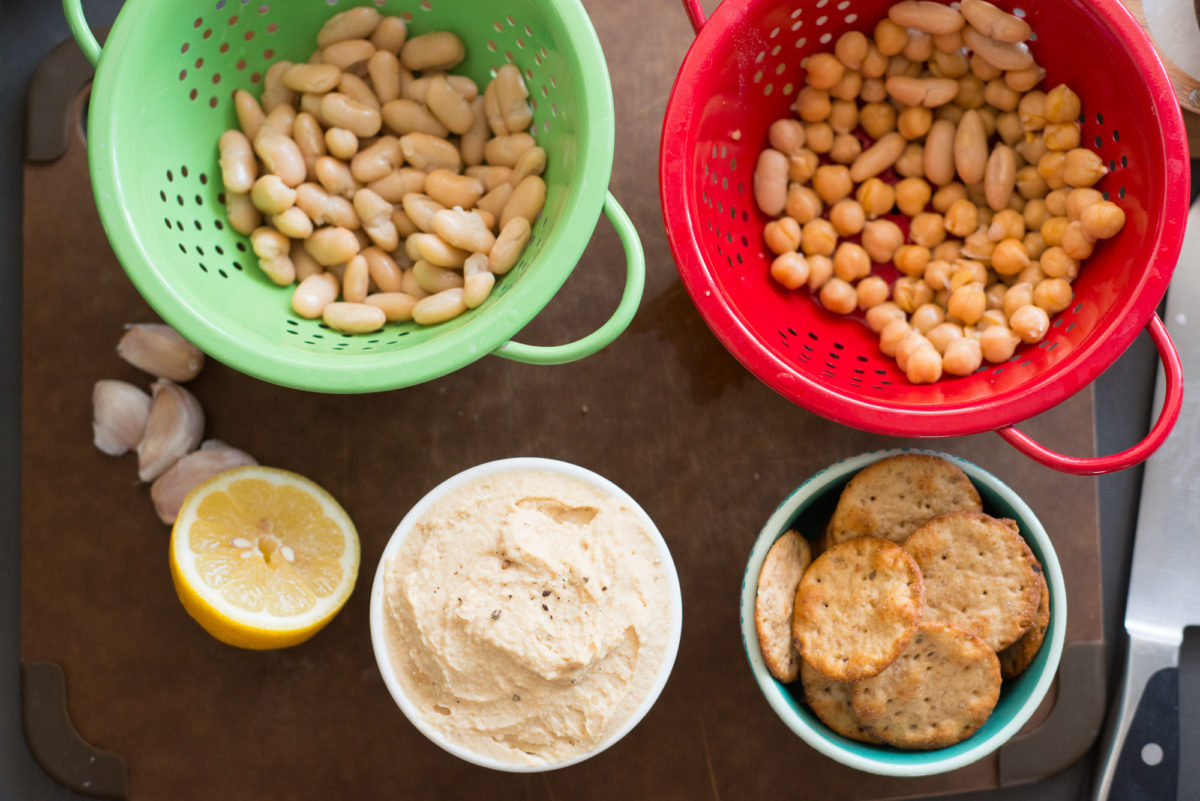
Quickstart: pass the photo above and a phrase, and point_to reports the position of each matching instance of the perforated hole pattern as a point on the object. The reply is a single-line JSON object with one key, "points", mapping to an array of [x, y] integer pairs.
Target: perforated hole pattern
{"points": [[818, 342], [230, 49]]}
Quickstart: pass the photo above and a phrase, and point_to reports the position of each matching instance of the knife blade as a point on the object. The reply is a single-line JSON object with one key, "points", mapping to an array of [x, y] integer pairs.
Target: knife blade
{"points": [[1140, 761]]}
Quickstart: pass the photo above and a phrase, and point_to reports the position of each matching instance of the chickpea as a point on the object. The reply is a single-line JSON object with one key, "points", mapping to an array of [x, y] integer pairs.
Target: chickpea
{"points": [[1032, 110], [911, 163], [984, 69], [1031, 148], [1061, 135], [1006, 224], [790, 270], [824, 70], [951, 112], [997, 343], [926, 317], [1062, 104], [846, 148], [948, 42], [937, 274], [832, 182], [949, 64], [843, 116], [995, 295], [1017, 296], [1055, 263], [1034, 245], [1079, 199], [1000, 95], [1030, 184], [782, 235], [919, 47], [877, 119], [802, 165], [847, 217], [1056, 202], [851, 262], [786, 136], [977, 194], [1009, 128], [962, 218], [812, 104], [924, 366], [912, 342], [1035, 214], [950, 250], [962, 356], [909, 293], [946, 196], [970, 92], [890, 38], [1102, 220], [942, 334], [849, 87], [876, 197], [851, 49], [1075, 243], [802, 204], [912, 195], [881, 238], [818, 238], [978, 246], [1030, 323], [1053, 230], [872, 291], [879, 315], [1082, 167], [892, 334], [838, 296], [1053, 295], [913, 122], [874, 64], [968, 271], [1052, 167], [1010, 256], [911, 259], [1031, 275], [927, 229], [873, 90], [819, 136], [820, 268]]}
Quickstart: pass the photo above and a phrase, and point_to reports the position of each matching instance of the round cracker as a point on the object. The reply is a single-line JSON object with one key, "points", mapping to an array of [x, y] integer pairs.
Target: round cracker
{"points": [[829, 700], [857, 608], [1020, 655], [893, 496], [939, 692], [980, 575], [778, 579]]}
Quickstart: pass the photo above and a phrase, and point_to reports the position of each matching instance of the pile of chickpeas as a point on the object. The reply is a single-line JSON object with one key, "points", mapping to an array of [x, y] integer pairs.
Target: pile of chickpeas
{"points": [[988, 170], [371, 174]]}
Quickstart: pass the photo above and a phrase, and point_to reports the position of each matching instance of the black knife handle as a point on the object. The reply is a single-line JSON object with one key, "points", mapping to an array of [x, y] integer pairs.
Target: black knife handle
{"points": [[1148, 765]]}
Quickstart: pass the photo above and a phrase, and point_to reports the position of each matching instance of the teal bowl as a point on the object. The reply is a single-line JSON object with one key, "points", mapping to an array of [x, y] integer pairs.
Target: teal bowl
{"points": [[807, 509]]}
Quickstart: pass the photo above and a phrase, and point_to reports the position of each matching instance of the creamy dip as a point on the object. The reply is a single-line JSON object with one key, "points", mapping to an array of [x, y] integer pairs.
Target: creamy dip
{"points": [[528, 615]]}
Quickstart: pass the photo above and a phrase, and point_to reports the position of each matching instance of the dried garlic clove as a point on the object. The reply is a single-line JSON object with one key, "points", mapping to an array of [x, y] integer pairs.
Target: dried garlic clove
{"points": [[172, 487], [119, 412], [160, 351], [174, 429]]}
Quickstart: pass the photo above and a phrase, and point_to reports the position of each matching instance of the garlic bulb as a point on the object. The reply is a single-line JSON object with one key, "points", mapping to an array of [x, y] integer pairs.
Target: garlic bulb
{"points": [[174, 428], [160, 351], [171, 488], [119, 413]]}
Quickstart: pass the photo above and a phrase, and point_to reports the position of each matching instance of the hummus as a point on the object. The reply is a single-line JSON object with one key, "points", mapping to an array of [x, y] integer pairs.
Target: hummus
{"points": [[528, 616]]}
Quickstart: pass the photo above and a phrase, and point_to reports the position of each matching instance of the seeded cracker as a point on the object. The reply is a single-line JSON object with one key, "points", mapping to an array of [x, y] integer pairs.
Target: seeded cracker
{"points": [[979, 575], [1017, 657], [893, 496], [857, 608], [939, 692], [830, 701], [773, 605]]}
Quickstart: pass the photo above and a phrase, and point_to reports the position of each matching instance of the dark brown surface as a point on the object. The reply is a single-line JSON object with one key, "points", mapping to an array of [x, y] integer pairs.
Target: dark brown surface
{"points": [[664, 412]]}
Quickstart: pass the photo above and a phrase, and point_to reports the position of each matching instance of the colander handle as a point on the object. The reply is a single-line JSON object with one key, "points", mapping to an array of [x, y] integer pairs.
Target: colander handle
{"points": [[695, 14], [635, 280], [80, 30], [1172, 402]]}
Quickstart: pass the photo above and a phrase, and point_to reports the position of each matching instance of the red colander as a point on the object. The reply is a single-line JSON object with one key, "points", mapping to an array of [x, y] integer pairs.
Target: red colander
{"points": [[742, 73]]}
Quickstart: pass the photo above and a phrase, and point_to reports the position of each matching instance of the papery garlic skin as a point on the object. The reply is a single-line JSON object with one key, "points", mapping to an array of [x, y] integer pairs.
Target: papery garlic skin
{"points": [[171, 488], [174, 429], [159, 350], [119, 414]]}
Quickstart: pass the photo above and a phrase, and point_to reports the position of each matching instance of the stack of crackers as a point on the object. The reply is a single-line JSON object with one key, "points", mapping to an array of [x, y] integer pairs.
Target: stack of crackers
{"points": [[918, 606]]}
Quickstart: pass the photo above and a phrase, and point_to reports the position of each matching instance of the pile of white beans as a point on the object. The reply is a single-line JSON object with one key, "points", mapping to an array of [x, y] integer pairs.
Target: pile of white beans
{"points": [[372, 174], [989, 170]]}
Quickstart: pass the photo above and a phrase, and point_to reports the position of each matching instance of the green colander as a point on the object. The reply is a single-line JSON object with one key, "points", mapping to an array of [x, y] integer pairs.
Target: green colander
{"points": [[162, 96]]}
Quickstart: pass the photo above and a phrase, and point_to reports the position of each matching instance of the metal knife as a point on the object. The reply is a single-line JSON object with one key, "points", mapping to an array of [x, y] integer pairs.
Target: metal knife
{"points": [[1140, 760]]}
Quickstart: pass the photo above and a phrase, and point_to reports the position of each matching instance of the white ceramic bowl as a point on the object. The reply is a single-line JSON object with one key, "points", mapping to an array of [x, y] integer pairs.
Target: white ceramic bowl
{"points": [[810, 505], [674, 613]]}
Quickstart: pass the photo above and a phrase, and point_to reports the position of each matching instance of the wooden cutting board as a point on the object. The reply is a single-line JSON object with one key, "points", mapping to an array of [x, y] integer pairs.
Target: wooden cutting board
{"points": [[665, 412]]}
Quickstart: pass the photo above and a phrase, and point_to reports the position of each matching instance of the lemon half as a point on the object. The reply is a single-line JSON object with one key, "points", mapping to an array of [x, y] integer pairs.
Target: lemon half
{"points": [[263, 558]]}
